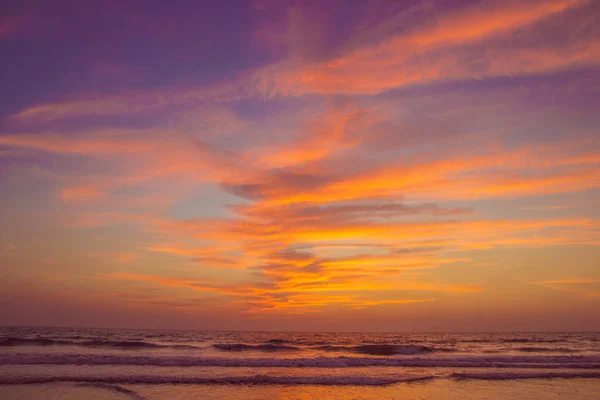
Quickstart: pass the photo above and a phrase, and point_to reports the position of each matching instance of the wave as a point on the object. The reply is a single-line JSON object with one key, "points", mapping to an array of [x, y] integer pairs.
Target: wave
{"points": [[272, 345], [299, 342], [381, 349], [545, 350], [133, 345], [510, 340], [278, 341], [121, 344], [113, 388], [538, 362], [256, 347], [517, 340], [111, 382], [13, 341], [225, 380], [524, 375]]}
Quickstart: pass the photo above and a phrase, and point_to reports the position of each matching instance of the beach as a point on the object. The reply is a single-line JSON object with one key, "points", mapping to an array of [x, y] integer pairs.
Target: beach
{"points": [[575, 389]]}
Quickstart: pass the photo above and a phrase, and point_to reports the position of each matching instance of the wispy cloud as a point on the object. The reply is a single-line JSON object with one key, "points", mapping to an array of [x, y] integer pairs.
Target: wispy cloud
{"points": [[10, 246], [584, 287], [431, 51]]}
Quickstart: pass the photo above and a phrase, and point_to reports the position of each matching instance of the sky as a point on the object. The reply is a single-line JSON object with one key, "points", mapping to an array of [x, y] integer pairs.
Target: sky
{"points": [[333, 165]]}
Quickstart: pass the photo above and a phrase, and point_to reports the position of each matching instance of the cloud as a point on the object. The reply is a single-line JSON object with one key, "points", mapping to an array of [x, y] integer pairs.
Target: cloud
{"points": [[91, 219], [471, 42], [215, 256], [584, 287], [335, 225], [287, 247], [114, 144], [193, 284], [129, 159], [343, 127], [81, 192], [297, 296], [488, 18], [126, 258], [332, 212], [331, 193], [443, 176], [443, 50]]}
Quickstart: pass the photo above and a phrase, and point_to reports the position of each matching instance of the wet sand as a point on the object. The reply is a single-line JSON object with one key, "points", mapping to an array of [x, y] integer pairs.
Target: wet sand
{"points": [[441, 389]]}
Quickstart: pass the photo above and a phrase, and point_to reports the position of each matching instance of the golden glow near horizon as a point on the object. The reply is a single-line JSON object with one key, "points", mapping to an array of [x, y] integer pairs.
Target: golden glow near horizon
{"points": [[424, 168]]}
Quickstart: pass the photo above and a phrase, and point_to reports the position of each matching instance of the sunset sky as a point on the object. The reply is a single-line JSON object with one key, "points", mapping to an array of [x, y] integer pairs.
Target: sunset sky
{"points": [[426, 165]]}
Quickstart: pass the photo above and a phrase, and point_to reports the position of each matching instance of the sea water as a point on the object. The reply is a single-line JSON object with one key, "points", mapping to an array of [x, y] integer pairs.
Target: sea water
{"points": [[71, 363]]}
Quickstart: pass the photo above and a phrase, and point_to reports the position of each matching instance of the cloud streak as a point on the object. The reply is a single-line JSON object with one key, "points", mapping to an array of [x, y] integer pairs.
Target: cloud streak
{"points": [[584, 287]]}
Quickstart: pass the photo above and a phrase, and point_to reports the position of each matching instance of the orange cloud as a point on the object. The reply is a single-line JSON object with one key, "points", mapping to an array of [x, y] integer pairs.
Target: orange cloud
{"points": [[126, 258], [494, 175], [392, 64], [301, 297], [281, 242], [478, 21], [118, 257], [193, 284], [294, 281], [298, 234], [221, 256], [327, 135], [138, 158]]}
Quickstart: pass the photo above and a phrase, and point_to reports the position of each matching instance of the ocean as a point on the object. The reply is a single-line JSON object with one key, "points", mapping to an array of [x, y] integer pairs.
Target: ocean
{"points": [[74, 363]]}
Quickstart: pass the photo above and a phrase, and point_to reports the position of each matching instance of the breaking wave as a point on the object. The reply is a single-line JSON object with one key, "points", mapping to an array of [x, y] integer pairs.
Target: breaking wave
{"points": [[278, 341], [226, 380], [369, 349], [268, 347], [381, 349], [111, 382], [13, 341], [122, 344], [112, 388], [132, 345], [545, 350], [524, 375], [517, 340], [538, 362]]}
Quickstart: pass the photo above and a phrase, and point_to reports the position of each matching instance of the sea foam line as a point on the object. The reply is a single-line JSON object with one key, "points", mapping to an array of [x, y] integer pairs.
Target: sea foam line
{"points": [[524, 375], [224, 380], [113, 388], [105, 381], [115, 344], [576, 362]]}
